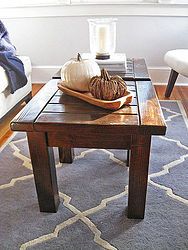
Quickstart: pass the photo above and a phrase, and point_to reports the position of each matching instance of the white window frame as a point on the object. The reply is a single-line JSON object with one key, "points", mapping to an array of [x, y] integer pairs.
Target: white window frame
{"points": [[81, 2], [109, 1], [31, 3], [48, 8]]}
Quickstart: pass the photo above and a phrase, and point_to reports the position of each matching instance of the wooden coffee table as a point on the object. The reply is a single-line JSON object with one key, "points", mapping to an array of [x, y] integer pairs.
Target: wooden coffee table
{"points": [[53, 119]]}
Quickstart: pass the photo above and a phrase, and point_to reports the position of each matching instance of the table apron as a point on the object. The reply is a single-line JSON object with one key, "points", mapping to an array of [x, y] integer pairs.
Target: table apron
{"points": [[74, 140]]}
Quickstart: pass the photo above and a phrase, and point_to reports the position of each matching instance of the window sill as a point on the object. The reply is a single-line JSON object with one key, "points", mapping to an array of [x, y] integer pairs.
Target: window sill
{"points": [[134, 9]]}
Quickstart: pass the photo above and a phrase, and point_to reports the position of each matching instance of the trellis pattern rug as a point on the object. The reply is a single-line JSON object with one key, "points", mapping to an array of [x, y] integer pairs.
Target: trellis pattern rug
{"points": [[93, 192]]}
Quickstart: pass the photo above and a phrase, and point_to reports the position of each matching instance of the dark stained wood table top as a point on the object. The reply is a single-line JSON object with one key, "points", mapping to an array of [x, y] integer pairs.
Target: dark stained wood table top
{"points": [[52, 110]]}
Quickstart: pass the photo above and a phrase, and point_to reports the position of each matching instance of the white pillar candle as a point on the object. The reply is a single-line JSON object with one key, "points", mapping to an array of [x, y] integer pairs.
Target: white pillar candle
{"points": [[103, 38]]}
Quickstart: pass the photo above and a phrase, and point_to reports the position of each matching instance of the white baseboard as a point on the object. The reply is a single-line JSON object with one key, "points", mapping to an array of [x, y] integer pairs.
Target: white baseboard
{"points": [[159, 75], [42, 74]]}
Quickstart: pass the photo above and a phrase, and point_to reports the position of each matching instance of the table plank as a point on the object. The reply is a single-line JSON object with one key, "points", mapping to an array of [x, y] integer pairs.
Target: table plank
{"points": [[131, 85], [136, 70], [140, 70], [25, 118], [151, 117], [57, 119], [90, 138], [85, 108], [67, 100]]}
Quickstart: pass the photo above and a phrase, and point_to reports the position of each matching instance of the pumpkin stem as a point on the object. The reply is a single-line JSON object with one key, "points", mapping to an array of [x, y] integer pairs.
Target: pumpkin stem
{"points": [[105, 75], [79, 58]]}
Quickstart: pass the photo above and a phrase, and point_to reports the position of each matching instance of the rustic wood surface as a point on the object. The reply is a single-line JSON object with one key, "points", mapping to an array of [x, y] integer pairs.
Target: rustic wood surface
{"points": [[66, 154], [151, 117], [25, 119], [138, 175], [87, 97], [42, 158], [179, 93], [66, 122]]}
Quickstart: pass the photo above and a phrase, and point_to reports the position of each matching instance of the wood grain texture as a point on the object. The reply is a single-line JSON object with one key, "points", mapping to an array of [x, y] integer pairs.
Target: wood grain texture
{"points": [[42, 158], [50, 121], [140, 70], [138, 175], [24, 120], [151, 117], [66, 154], [65, 99], [87, 97], [136, 69], [87, 108], [89, 137]]}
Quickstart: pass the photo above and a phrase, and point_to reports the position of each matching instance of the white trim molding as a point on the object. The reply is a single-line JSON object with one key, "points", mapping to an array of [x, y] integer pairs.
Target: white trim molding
{"points": [[134, 9], [159, 75]]}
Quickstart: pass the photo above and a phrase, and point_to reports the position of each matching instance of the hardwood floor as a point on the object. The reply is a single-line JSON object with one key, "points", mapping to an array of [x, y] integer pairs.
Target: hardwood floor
{"points": [[179, 93]]}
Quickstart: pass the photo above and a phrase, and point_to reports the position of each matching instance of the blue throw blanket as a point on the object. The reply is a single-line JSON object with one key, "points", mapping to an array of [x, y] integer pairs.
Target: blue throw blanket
{"points": [[8, 60]]}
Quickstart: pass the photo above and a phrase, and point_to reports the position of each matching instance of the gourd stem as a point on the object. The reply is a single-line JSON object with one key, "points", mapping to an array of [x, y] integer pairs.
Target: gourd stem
{"points": [[79, 58], [105, 75]]}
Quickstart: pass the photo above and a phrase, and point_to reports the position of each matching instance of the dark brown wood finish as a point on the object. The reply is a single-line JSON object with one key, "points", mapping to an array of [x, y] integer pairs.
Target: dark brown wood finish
{"points": [[53, 119], [28, 97], [172, 79], [25, 119], [151, 117], [73, 136], [179, 93], [42, 158], [66, 154], [138, 175], [136, 70]]}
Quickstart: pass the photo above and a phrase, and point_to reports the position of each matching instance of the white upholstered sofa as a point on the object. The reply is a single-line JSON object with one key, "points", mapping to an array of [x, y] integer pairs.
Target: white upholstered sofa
{"points": [[8, 100]]}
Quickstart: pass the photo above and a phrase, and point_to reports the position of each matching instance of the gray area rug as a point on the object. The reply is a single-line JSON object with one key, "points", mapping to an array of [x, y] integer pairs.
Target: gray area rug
{"points": [[93, 191]]}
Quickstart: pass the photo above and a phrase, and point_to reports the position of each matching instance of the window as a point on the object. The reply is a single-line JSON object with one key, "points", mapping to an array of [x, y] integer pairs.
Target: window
{"points": [[127, 1], [27, 3], [108, 1], [49, 8]]}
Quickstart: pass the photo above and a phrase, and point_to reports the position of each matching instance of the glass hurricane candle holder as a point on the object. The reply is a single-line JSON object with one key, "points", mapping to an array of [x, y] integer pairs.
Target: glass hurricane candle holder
{"points": [[102, 36]]}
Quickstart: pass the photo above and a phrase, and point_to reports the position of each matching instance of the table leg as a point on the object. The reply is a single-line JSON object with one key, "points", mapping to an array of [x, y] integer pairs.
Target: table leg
{"points": [[66, 155], [138, 176], [42, 158]]}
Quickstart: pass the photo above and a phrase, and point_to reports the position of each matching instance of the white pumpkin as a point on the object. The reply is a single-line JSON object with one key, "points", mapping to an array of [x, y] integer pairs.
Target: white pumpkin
{"points": [[77, 73]]}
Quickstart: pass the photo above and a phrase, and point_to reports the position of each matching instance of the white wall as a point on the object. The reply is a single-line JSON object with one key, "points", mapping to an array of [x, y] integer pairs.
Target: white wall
{"points": [[51, 41]]}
